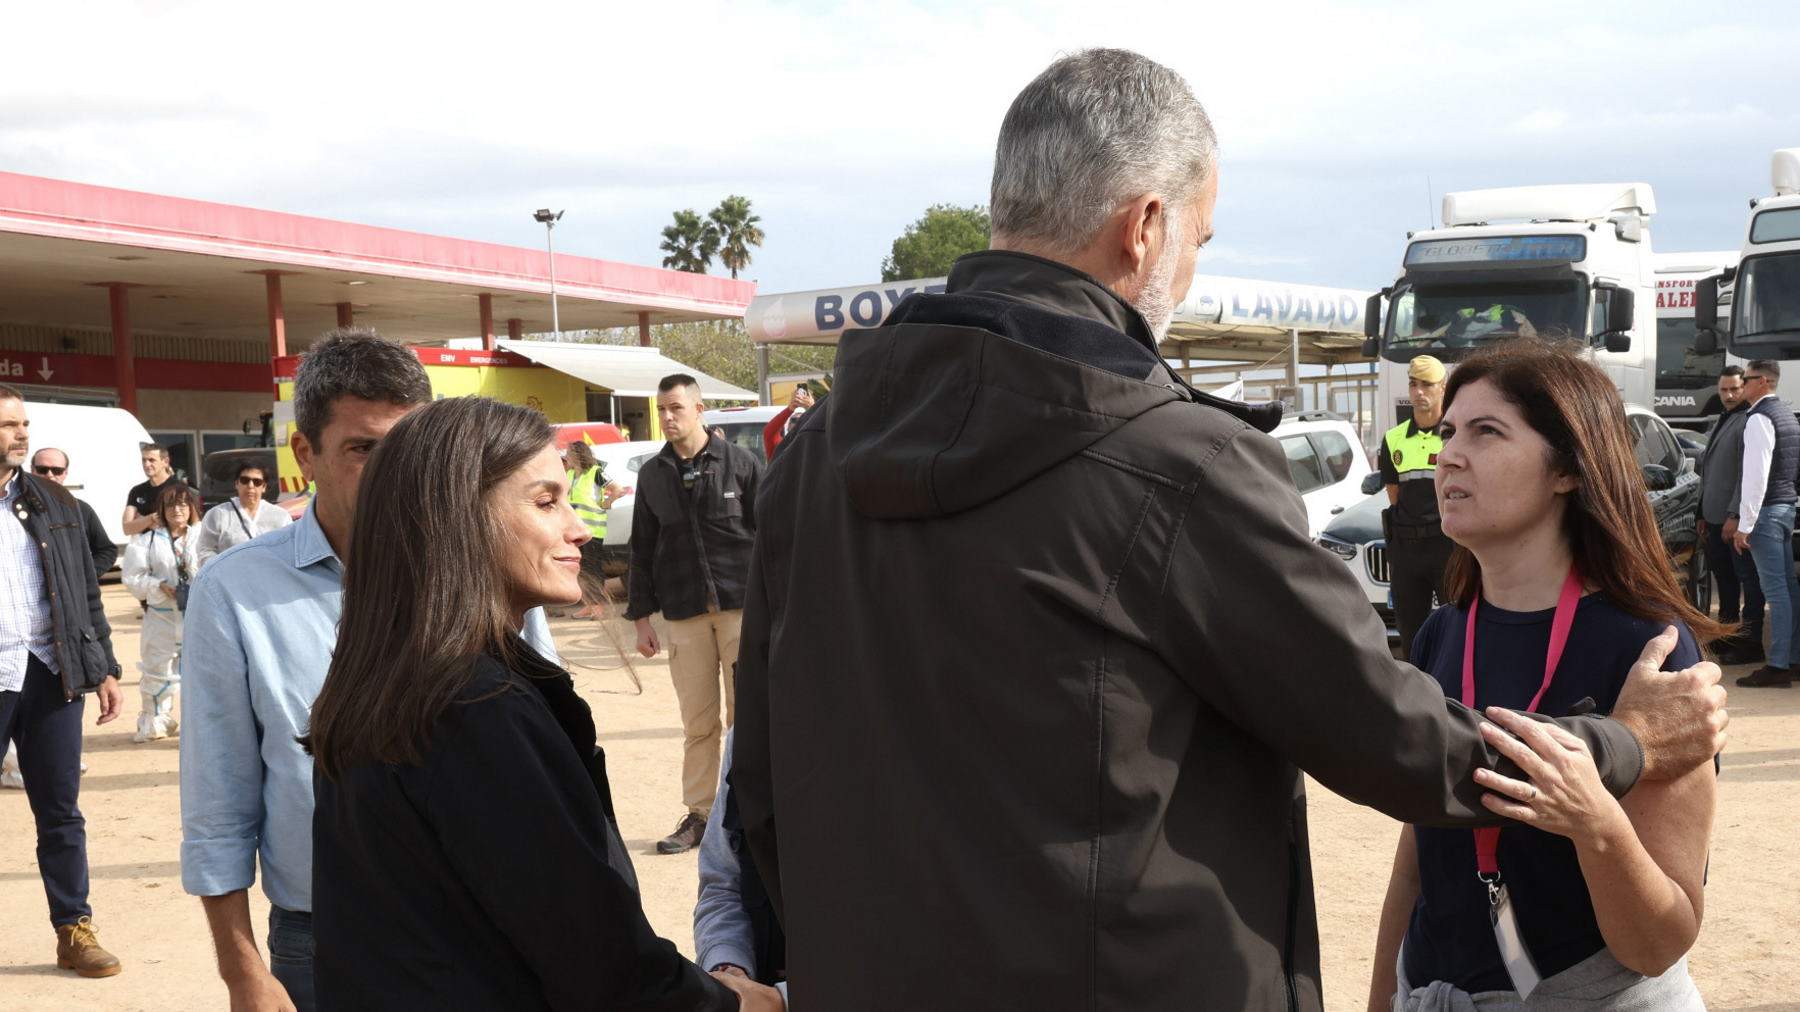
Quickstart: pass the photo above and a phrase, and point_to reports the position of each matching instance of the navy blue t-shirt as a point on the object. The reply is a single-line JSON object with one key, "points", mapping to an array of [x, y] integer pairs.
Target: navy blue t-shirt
{"points": [[1450, 937]]}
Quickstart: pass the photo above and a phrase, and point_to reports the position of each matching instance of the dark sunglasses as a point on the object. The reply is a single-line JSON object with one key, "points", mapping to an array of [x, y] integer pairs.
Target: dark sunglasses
{"points": [[47, 470], [253, 482]]}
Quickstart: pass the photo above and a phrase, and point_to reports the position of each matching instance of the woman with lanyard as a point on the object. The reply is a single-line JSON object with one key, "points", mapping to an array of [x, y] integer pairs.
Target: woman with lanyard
{"points": [[236, 521], [1558, 581], [159, 563]]}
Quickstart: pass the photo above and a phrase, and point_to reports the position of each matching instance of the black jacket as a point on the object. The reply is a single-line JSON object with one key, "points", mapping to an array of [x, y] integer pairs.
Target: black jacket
{"points": [[479, 879], [689, 553], [100, 543], [84, 652], [1034, 738]]}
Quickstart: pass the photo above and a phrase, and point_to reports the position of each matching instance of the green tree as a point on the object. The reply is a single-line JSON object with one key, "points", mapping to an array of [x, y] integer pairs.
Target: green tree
{"points": [[691, 242], [930, 245], [738, 230]]}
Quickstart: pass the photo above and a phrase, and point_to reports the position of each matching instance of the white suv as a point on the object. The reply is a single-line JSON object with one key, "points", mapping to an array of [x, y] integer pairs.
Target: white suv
{"points": [[1326, 462]]}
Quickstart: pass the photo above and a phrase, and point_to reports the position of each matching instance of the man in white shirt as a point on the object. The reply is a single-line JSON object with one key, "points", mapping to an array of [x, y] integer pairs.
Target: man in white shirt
{"points": [[1764, 523], [238, 520]]}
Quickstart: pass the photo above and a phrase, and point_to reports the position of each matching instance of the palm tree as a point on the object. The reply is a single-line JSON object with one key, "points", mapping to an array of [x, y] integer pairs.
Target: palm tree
{"points": [[737, 231], [690, 242]]}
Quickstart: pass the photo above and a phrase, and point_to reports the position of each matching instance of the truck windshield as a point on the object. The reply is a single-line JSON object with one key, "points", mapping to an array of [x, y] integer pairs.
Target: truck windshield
{"points": [[1679, 368], [1768, 299], [1448, 321]]}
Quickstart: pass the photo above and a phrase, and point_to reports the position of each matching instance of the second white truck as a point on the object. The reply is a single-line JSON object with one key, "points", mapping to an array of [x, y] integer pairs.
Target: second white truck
{"points": [[1571, 261]]}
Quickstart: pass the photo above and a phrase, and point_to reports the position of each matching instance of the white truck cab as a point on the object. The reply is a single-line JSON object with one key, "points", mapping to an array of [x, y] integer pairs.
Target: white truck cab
{"points": [[1686, 377], [1568, 261], [1765, 288]]}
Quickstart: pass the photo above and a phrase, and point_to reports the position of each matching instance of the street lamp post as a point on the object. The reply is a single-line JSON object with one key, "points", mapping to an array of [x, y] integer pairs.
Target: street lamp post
{"points": [[550, 219]]}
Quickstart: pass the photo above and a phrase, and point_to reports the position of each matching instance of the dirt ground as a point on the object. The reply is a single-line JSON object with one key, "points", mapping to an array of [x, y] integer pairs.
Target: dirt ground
{"points": [[1745, 958]]}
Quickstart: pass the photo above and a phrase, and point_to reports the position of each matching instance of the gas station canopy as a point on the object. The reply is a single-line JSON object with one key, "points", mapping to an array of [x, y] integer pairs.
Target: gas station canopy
{"points": [[190, 268], [624, 370]]}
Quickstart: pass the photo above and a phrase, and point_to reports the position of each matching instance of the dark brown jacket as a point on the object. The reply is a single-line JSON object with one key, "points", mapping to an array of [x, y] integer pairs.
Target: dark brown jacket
{"points": [[1034, 655]]}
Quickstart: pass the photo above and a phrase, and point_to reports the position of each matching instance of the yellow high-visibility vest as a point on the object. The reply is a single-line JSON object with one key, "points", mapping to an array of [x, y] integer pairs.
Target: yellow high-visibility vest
{"points": [[1414, 455], [585, 490]]}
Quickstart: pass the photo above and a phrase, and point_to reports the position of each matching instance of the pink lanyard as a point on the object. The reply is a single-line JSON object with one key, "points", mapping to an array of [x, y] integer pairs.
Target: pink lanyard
{"points": [[1487, 841]]}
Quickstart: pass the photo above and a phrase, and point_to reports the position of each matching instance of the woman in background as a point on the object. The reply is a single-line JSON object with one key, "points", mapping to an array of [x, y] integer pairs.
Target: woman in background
{"points": [[1558, 582], [158, 565], [460, 841], [238, 520]]}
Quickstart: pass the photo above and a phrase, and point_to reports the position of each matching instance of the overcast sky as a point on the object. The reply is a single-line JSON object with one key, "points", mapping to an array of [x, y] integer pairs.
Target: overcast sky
{"points": [[842, 123]]}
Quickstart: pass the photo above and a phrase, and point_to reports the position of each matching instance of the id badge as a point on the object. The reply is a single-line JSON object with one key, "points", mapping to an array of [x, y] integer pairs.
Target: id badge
{"points": [[1518, 962]]}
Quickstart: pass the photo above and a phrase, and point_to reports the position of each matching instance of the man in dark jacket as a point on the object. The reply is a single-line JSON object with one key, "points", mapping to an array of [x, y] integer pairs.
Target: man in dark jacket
{"points": [[51, 464], [1721, 476], [691, 533], [1069, 776], [55, 647]]}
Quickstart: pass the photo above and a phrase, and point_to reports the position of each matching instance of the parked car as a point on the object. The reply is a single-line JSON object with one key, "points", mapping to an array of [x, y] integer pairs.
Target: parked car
{"points": [[744, 426], [1693, 444], [1325, 461], [1669, 478]]}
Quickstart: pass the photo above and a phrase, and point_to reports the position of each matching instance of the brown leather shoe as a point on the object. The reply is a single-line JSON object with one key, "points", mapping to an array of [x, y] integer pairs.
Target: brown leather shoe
{"points": [[687, 835], [78, 949]]}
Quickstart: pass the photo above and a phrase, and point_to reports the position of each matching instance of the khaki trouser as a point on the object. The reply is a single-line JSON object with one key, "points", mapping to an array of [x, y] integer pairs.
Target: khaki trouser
{"points": [[700, 649]]}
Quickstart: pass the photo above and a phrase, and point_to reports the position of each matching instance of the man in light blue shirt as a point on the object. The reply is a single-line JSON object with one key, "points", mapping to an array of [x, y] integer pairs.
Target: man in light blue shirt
{"points": [[260, 628]]}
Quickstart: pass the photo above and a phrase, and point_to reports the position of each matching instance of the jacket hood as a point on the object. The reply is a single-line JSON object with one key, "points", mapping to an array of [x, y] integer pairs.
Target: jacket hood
{"points": [[959, 398]]}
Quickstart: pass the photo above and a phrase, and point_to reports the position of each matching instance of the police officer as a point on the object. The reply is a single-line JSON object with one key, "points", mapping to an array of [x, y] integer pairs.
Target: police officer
{"points": [[1417, 548]]}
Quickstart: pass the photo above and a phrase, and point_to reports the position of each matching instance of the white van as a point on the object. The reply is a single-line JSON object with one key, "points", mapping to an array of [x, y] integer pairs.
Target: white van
{"points": [[105, 456]]}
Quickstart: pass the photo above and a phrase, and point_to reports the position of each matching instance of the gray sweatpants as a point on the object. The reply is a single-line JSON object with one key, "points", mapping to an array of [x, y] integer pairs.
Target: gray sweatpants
{"points": [[1597, 982]]}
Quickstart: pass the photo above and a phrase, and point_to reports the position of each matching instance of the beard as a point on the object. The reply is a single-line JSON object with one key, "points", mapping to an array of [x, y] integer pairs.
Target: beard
{"points": [[1154, 301]]}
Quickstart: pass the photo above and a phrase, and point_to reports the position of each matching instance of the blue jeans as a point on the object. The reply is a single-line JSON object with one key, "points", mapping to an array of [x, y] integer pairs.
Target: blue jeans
{"points": [[291, 955], [1771, 545], [1752, 615], [47, 729]]}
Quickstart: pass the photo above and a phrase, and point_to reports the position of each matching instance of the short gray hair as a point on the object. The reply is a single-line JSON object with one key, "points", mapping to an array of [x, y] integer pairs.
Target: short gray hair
{"points": [[1093, 130], [354, 362]]}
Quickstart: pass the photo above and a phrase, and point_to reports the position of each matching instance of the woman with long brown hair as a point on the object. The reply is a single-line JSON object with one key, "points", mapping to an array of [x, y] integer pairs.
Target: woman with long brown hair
{"points": [[1558, 582], [460, 834]]}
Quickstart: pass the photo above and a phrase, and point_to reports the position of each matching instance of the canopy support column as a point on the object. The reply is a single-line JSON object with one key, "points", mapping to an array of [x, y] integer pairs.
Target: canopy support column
{"points": [[122, 354], [487, 321], [277, 319]]}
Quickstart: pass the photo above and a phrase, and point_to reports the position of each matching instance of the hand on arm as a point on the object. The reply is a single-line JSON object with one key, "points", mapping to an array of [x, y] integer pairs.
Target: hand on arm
{"points": [[1333, 697], [752, 997], [1643, 859], [1678, 717]]}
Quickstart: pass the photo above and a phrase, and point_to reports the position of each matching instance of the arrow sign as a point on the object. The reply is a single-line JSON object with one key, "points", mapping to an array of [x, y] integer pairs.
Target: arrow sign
{"points": [[44, 369]]}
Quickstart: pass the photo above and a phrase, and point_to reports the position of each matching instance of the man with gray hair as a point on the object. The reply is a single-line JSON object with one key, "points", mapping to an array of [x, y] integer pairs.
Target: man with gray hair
{"points": [[1069, 777]]}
